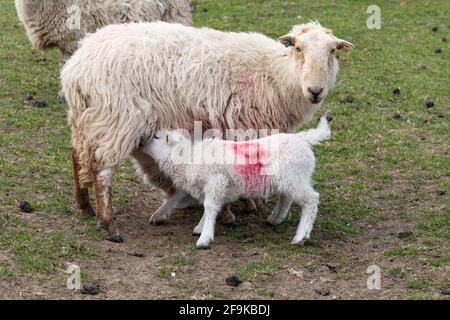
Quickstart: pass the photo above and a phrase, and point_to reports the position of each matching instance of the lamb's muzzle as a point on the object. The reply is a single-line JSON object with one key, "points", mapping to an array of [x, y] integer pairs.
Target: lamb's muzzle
{"points": [[287, 174]]}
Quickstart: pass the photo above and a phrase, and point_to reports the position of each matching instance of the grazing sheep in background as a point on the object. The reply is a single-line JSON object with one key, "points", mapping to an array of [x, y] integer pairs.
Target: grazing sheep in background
{"points": [[280, 164], [127, 81], [63, 23]]}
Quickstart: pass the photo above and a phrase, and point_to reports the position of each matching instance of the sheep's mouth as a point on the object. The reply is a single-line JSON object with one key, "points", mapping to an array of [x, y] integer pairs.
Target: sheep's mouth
{"points": [[315, 100]]}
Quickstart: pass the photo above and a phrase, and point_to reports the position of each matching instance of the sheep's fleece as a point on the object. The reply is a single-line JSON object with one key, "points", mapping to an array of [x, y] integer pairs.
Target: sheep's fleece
{"points": [[280, 164], [63, 23]]}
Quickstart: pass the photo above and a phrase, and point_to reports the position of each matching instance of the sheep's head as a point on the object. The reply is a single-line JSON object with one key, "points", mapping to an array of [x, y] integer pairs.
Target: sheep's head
{"points": [[314, 51]]}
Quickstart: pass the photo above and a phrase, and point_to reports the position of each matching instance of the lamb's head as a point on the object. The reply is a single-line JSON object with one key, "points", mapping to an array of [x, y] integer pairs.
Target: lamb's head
{"points": [[313, 49], [162, 146]]}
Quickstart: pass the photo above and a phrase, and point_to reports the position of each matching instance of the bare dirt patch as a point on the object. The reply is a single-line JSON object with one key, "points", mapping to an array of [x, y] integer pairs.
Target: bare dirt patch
{"points": [[161, 262]]}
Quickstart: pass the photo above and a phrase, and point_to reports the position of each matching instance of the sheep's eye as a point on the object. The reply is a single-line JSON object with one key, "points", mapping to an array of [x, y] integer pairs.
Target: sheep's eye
{"points": [[333, 51], [299, 49], [157, 138]]}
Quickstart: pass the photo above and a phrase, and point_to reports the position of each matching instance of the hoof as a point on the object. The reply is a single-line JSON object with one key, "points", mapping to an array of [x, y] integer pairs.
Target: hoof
{"points": [[158, 220], [203, 247], [254, 212], [273, 223], [231, 224], [89, 211], [115, 238], [300, 243]]}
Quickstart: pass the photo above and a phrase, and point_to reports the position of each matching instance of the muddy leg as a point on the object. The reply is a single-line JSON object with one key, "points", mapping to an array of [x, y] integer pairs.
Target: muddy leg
{"points": [[250, 206], [102, 185], [228, 217], [81, 194]]}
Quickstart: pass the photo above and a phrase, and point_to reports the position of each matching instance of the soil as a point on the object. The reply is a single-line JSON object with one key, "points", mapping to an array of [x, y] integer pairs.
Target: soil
{"points": [[338, 270]]}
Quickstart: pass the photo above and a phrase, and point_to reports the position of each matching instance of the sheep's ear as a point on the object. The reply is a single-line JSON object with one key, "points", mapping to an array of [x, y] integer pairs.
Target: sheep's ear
{"points": [[287, 41], [345, 45]]}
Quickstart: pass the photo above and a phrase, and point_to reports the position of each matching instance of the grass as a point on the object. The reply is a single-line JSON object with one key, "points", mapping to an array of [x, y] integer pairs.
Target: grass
{"points": [[376, 168]]}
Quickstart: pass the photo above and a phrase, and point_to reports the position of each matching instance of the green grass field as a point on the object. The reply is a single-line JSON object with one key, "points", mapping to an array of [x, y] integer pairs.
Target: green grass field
{"points": [[383, 178]]}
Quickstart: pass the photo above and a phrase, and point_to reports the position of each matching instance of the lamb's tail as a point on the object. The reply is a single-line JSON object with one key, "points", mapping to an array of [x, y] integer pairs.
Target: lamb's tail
{"points": [[319, 134]]}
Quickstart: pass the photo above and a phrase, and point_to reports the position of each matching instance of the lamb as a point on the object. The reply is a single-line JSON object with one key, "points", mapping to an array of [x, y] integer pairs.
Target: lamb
{"points": [[280, 164], [127, 81], [63, 23]]}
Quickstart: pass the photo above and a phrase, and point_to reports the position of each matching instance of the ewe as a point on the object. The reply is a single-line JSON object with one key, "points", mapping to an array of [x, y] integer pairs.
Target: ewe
{"points": [[63, 23], [127, 81], [280, 164]]}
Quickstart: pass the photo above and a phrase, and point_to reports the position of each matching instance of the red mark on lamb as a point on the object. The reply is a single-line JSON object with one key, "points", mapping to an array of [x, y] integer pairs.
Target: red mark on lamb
{"points": [[250, 159]]}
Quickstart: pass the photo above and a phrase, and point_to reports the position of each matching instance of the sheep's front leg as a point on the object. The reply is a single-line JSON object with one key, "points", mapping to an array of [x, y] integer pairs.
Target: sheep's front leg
{"points": [[309, 203], [212, 209], [102, 185], [280, 213], [165, 211], [228, 217]]}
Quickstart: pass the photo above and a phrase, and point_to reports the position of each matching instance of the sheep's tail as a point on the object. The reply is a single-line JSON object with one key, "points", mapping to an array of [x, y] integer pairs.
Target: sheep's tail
{"points": [[319, 134]]}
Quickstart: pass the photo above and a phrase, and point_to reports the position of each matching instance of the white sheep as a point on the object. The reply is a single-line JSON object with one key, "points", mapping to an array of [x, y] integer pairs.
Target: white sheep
{"points": [[63, 23], [127, 81], [280, 164]]}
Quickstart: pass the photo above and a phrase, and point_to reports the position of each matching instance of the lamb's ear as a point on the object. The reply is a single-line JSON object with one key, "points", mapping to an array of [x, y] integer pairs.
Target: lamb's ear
{"points": [[287, 41], [345, 45]]}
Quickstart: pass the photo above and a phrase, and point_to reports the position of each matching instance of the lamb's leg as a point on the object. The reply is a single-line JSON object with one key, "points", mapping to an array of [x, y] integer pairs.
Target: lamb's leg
{"points": [[102, 185], [212, 209], [185, 203], [81, 194], [199, 228], [280, 213], [309, 202], [164, 212]]}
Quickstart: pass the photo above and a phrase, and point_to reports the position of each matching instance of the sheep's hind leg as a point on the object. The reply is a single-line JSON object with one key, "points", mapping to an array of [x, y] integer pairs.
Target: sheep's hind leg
{"points": [[102, 185], [81, 194], [250, 206], [164, 212], [309, 202], [281, 211], [228, 217]]}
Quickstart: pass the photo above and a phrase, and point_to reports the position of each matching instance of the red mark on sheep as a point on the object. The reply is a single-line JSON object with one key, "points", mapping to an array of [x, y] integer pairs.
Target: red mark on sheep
{"points": [[247, 83], [250, 158]]}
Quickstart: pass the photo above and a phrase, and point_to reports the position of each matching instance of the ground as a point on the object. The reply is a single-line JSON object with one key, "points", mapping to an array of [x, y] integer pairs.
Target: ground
{"points": [[383, 178]]}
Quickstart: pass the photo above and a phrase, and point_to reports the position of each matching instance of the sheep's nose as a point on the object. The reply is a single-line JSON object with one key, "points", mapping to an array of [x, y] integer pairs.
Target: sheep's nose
{"points": [[316, 92]]}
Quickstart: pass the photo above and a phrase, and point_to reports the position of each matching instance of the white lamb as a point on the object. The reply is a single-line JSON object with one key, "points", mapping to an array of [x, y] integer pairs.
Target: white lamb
{"points": [[280, 164]]}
